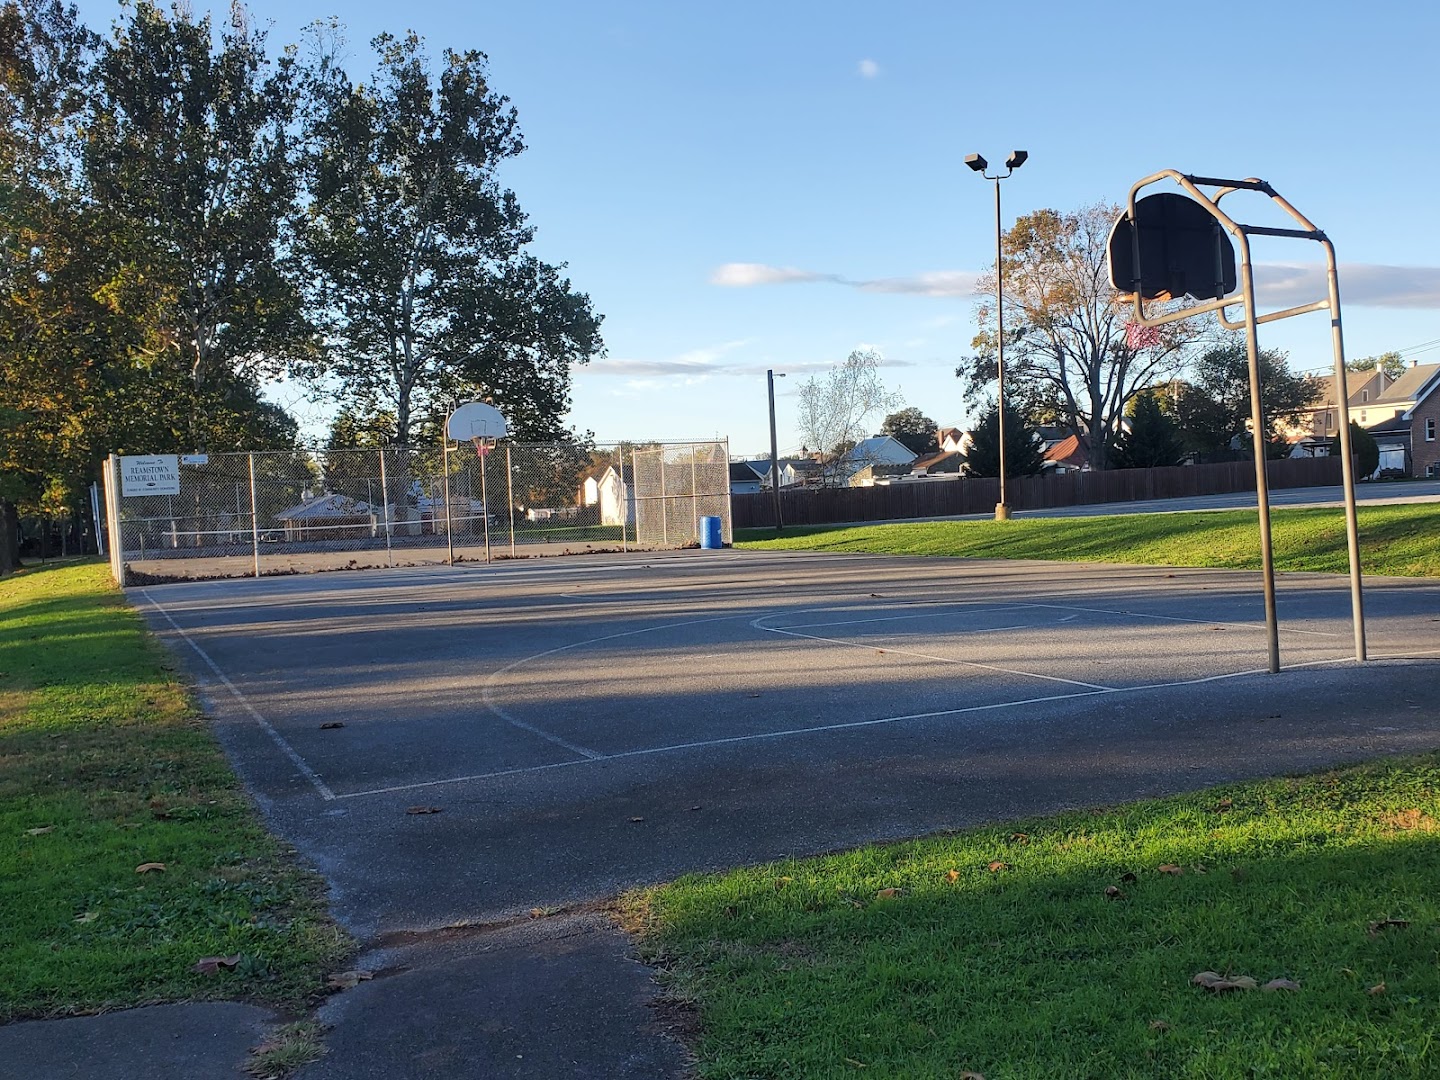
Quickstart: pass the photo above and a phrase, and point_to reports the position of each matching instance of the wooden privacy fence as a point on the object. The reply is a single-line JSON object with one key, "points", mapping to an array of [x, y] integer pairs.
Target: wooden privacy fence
{"points": [[978, 495]]}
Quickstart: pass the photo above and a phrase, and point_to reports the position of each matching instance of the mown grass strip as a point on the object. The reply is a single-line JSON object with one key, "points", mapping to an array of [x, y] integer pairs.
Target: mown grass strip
{"points": [[1394, 540], [999, 951], [106, 765]]}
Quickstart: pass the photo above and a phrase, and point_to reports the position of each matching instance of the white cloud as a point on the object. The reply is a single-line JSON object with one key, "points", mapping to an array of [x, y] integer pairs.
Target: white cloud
{"points": [[693, 365], [930, 283], [869, 69], [744, 275], [1361, 284]]}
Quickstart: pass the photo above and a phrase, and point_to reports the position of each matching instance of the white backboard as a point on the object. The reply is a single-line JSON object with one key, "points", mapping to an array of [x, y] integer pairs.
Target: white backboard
{"points": [[475, 420]]}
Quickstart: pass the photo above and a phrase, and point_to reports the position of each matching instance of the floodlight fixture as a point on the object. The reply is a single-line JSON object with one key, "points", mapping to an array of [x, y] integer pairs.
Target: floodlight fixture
{"points": [[976, 162], [1016, 159]]}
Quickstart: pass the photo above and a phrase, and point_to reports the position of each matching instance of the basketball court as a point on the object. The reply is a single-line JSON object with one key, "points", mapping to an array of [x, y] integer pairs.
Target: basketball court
{"points": [[578, 725]]}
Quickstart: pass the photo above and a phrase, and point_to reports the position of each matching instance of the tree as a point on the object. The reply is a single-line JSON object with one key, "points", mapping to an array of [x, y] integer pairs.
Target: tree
{"points": [[914, 429], [1067, 358], [1023, 456], [1391, 363], [1365, 448], [189, 151], [1152, 440], [834, 409], [1213, 410], [417, 255]]}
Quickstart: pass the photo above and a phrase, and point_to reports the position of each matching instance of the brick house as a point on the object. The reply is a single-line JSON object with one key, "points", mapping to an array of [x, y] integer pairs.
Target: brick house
{"points": [[1404, 420]]}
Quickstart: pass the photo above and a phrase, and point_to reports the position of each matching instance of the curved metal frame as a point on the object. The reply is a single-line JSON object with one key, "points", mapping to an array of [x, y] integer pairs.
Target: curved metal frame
{"points": [[1249, 322]]}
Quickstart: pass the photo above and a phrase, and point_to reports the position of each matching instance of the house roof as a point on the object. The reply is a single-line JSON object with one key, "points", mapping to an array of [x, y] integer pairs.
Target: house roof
{"points": [[326, 508], [879, 448], [801, 465], [1409, 388], [1069, 451], [747, 472], [939, 462]]}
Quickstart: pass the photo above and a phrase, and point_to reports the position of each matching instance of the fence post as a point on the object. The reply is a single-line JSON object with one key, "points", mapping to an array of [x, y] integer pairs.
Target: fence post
{"points": [[729, 507], [509, 494], [664, 505], [254, 518], [445, 471], [385, 508], [695, 492], [484, 501]]}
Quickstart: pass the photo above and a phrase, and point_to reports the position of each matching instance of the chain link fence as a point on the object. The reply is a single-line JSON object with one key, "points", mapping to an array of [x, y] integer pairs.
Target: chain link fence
{"points": [[286, 512]]}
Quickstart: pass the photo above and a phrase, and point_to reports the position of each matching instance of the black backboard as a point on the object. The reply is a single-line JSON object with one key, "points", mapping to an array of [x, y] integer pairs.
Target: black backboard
{"points": [[1183, 251]]}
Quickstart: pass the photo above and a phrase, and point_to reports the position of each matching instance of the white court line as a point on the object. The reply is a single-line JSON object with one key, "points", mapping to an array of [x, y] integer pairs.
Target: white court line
{"points": [[951, 609], [289, 751], [487, 692], [849, 725], [940, 659], [1176, 618]]}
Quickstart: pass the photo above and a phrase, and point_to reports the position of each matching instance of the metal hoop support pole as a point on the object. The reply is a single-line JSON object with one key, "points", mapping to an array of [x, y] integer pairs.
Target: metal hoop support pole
{"points": [[385, 508], [484, 502], [254, 519], [449, 532], [509, 494]]}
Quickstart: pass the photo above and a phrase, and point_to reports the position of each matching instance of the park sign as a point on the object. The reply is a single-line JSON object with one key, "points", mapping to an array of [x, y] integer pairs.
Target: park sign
{"points": [[155, 474]]}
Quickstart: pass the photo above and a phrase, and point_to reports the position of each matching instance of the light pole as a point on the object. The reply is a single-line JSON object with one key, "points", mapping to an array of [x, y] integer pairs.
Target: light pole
{"points": [[770, 377], [979, 164]]}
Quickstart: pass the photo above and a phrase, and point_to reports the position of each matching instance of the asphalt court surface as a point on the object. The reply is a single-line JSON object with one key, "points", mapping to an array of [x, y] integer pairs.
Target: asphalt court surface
{"points": [[628, 718]]}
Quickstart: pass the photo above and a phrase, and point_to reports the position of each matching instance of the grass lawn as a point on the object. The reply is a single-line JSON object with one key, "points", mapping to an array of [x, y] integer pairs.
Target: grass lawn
{"points": [[105, 766], [1065, 947], [1398, 540]]}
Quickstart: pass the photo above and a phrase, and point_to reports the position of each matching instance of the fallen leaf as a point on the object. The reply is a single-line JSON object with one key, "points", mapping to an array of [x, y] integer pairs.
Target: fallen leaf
{"points": [[1223, 805], [889, 894], [876, 594], [150, 867], [636, 820], [1112, 892], [208, 965], [1219, 984], [852, 1061], [1019, 838], [331, 725], [537, 912], [1200, 868], [952, 875], [971, 1076], [40, 831], [752, 695], [347, 979], [87, 916], [997, 866], [1128, 877], [692, 808], [1159, 1025], [1171, 869], [1280, 984], [129, 825], [781, 882], [423, 809], [1384, 924], [1378, 988]]}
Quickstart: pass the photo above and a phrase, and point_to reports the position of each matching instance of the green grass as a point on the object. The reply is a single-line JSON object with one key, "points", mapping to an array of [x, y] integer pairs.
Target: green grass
{"points": [[106, 764], [808, 969], [1398, 540]]}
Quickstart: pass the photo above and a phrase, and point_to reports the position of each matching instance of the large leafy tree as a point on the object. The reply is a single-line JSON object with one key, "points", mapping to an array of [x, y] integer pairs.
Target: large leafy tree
{"points": [[1023, 456], [1213, 407], [1391, 363], [419, 256], [913, 428], [189, 151], [835, 409], [1067, 357]]}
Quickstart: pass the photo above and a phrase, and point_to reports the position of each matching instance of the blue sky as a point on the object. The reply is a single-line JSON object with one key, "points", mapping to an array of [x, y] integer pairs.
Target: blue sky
{"points": [[747, 185]]}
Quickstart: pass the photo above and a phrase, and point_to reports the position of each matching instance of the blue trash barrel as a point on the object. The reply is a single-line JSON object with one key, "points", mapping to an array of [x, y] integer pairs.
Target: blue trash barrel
{"points": [[710, 535]]}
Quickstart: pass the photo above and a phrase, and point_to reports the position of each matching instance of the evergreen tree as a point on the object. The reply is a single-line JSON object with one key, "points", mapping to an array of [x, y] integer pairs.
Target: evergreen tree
{"points": [[1153, 440], [1023, 456]]}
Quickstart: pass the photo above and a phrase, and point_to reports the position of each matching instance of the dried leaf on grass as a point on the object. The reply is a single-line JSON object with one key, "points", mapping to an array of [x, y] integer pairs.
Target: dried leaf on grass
{"points": [[971, 1076], [40, 831], [87, 916], [423, 809], [952, 875], [1113, 892], [889, 894], [1219, 984], [1280, 984], [344, 980], [150, 868], [996, 866], [1019, 838], [1159, 1025], [1223, 805], [1378, 988], [208, 965], [1171, 869]]}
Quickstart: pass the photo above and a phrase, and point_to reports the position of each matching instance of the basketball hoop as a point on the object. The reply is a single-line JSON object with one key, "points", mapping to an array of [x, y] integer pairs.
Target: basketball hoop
{"points": [[483, 445]]}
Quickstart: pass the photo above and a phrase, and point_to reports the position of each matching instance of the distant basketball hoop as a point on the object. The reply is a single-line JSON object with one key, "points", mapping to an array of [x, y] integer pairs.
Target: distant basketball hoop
{"points": [[476, 420]]}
